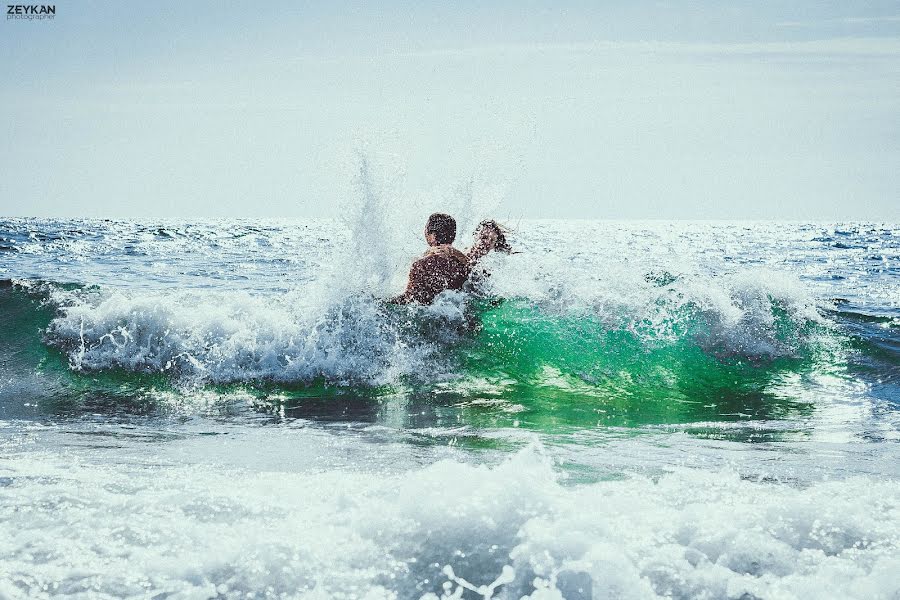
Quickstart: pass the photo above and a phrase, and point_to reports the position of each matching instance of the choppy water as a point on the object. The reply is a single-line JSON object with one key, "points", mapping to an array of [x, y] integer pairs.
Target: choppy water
{"points": [[632, 410]]}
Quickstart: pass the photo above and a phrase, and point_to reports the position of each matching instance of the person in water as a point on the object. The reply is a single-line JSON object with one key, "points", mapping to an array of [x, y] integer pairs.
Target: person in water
{"points": [[442, 267], [488, 236]]}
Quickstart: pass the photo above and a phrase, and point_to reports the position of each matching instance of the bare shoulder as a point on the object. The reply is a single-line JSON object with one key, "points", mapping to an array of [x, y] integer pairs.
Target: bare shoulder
{"points": [[427, 266]]}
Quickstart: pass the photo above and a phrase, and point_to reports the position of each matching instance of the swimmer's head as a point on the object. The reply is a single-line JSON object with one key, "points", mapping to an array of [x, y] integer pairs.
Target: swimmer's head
{"points": [[440, 229], [489, 236]]}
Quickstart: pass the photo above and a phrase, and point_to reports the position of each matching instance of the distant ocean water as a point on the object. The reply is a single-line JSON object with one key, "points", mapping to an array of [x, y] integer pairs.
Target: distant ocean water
{"points": [[627, 410]]}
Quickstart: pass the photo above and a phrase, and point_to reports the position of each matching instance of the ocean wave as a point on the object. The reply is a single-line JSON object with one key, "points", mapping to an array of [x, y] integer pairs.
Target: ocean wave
{"points": [[317, 333]]}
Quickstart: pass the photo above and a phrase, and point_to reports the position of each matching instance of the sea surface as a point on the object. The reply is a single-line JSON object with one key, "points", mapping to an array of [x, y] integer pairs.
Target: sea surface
{"points": [[229, 409]]}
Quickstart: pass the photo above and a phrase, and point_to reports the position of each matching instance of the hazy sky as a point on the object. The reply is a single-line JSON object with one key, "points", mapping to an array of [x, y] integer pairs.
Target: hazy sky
{"points": [[712, 109]]}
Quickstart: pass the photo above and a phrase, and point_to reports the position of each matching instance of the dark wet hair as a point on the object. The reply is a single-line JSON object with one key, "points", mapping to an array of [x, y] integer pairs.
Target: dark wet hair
{"points": [[500, 245], [443, 226]]}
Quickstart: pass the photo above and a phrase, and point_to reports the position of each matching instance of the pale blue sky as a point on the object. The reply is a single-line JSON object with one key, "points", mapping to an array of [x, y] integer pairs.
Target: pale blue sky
{"points": [[593, 110]]}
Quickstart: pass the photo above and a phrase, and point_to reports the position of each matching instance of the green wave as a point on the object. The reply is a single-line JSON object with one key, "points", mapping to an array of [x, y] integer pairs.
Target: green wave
{"points": [[553, 370], [37, 378], [515, 365]]}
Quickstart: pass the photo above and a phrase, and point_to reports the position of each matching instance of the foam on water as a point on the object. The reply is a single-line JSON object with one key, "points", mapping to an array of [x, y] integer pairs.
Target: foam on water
{"points": [[205, 530], [221, 337]]}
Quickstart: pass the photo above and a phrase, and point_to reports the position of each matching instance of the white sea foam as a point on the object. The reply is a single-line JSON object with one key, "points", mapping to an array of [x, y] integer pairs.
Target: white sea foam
{"points": [[218, 336], [78, 525]]}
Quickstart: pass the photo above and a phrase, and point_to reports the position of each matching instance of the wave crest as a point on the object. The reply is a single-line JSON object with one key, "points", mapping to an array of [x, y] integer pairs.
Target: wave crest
{"points": [[309, 334]]}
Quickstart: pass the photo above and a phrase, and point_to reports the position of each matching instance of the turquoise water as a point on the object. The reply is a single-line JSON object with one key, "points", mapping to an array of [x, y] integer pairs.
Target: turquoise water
{"points": [[627, 409]]}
